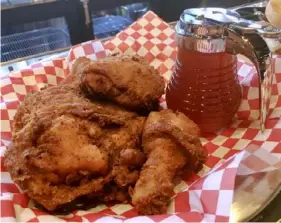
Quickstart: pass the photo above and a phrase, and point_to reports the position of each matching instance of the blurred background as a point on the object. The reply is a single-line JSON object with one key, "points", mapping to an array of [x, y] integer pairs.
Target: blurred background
{"points": [[33, 30]]}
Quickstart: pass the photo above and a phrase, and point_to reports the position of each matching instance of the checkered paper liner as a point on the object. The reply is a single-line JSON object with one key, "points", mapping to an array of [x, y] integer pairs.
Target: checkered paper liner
{"points": [[206, 196]]}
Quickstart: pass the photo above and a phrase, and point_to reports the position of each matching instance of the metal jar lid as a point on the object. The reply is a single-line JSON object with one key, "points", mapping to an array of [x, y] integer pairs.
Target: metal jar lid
{"points": [[205, 22], [204, 29]]}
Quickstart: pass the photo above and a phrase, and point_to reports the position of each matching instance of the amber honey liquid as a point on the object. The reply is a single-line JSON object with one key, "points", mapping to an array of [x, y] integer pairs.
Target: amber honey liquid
{"points": [[205, 87]]}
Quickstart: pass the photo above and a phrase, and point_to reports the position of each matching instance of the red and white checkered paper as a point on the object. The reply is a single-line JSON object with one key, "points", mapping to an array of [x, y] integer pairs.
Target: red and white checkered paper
{"points": [[240, 149]]}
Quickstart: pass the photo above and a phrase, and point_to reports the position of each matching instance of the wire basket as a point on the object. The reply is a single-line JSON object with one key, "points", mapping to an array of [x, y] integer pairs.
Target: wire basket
{"points": [[33, 42]]}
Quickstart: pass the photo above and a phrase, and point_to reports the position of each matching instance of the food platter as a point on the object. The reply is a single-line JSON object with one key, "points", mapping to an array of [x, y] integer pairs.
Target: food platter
{"points": [[158, 48]]}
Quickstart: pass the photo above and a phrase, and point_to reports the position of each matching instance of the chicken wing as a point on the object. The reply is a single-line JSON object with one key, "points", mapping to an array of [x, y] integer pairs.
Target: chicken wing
{"points": [[171, 141], [128, 81]]}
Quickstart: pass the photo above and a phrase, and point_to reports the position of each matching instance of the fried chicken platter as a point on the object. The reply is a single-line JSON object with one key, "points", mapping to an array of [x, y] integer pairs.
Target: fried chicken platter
{"points": [[99, 137]]}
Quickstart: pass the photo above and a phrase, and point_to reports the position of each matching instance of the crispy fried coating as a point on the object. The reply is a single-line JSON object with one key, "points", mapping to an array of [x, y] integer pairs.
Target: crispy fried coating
{"points": [[128, 81], [171, 141], [70, 147], [65, 146]]}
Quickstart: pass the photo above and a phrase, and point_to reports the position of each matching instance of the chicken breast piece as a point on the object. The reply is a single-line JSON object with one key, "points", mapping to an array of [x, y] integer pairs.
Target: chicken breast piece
{"points": [[65, 146]]}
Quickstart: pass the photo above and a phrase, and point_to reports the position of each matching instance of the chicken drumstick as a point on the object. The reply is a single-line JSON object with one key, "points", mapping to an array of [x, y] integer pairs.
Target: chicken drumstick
{"points": [[171, 142]]}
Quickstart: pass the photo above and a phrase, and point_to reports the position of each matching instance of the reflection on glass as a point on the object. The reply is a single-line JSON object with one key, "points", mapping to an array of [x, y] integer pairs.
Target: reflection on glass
{"points": [[111, 21], [33, 38]]}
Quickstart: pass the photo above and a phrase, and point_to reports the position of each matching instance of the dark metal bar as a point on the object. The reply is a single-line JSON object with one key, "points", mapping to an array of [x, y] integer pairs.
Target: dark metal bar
{"points": [[75, 19]]}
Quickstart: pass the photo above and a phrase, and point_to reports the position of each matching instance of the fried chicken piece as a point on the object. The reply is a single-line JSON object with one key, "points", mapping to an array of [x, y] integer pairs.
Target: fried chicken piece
{"points": [[127, 165], [67, 99], [70, 138], [119, 144], [124, 177], [112, 193], [132, 157], [128, 81], [171, 141], [63, 144]]}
